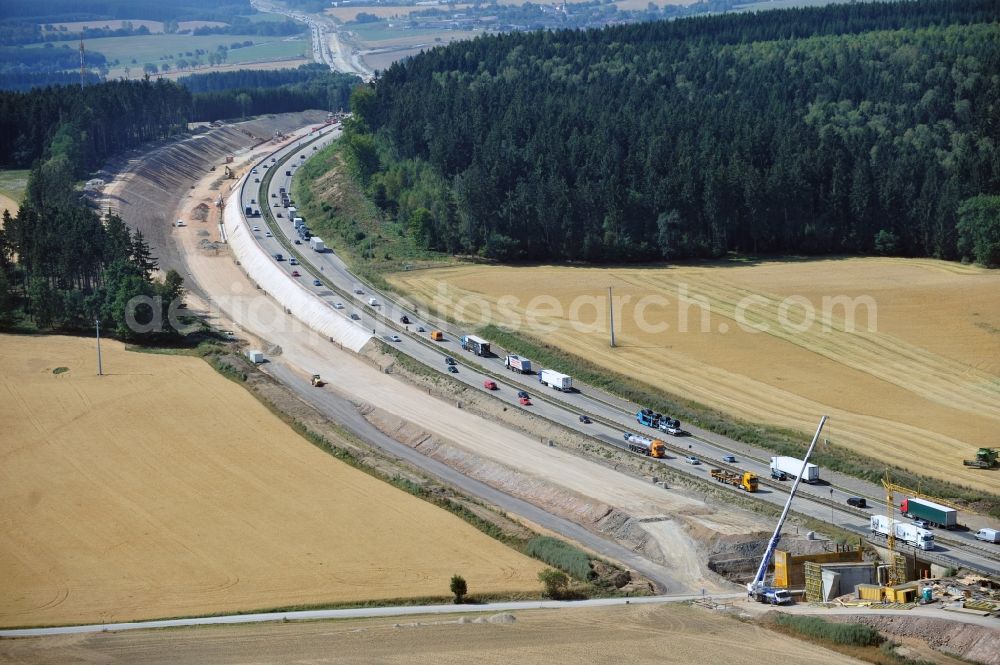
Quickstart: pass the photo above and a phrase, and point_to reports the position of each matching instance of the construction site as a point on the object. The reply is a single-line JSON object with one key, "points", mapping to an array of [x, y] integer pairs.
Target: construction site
{"points": [[683, 510]]}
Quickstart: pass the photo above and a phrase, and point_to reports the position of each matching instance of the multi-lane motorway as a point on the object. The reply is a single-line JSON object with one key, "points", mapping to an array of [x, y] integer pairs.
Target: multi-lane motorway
{"points": [[326, 275]]}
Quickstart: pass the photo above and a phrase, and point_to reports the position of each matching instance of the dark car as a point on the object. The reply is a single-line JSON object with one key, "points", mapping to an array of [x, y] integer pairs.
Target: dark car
{"points": [[404, 319], [585, 419], [449, 360], [857, 502], [522, 395], [778, 475], [452, 369]]}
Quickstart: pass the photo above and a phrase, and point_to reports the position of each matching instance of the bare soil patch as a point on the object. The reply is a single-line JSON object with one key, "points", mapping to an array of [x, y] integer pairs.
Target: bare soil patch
{"points": [[163, 489], [920, 390]]}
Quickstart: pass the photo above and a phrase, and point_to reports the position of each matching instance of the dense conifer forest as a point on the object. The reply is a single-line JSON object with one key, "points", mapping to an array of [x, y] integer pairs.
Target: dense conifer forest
{"points": [[854, 128]]}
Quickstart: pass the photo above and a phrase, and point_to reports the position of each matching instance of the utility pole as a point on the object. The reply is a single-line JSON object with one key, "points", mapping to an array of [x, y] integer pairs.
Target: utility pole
{"points": [[611, 305], [82, 66], [100, 370]]}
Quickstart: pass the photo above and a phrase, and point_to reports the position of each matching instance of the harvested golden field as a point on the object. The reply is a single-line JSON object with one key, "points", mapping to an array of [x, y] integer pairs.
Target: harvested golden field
{"points": [[908, 370], [625, 634], [163, 489]]}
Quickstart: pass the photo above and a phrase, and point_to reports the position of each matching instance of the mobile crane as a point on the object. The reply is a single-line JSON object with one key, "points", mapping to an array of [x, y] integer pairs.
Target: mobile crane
{"points": [[757, 589]]}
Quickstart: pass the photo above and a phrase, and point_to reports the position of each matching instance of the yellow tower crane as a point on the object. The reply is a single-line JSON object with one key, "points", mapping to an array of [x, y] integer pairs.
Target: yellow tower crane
{"points": [[890, 539]]}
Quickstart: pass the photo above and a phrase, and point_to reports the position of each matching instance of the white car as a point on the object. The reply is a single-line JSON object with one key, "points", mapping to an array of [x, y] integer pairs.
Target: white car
{"points": [[394, 338], [267, 234], [256, 229], [338, 305]]}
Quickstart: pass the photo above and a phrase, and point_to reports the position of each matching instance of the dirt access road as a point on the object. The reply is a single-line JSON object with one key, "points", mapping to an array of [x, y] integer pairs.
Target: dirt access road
{"points": [[626, 634], [232, 297]]}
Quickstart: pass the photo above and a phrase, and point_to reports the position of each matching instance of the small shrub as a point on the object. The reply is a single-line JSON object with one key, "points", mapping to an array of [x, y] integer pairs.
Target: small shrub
{"points": [[458, 587], [555, 582]]}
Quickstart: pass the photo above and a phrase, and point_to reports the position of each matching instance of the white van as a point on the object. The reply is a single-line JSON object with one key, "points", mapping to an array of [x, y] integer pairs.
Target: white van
{"points": [[988, 535], [373, 302]]}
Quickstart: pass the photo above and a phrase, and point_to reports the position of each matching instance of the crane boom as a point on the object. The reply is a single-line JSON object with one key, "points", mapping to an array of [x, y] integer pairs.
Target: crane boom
{"points": [[756, 587]]}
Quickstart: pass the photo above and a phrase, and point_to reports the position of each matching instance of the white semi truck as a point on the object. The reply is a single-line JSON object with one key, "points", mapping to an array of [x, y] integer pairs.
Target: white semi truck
{"points": [[789, 467], [518, 364], [553, 379], [911, 534]]}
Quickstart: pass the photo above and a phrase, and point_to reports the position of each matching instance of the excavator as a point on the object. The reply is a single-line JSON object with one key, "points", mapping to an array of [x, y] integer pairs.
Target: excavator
{"points": [[317, 381], [757, 589], [986, 458]]}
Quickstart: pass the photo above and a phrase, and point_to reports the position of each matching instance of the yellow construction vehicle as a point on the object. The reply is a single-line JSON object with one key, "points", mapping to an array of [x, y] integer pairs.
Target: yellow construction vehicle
{"points": [[229, 173], [744, 479]]}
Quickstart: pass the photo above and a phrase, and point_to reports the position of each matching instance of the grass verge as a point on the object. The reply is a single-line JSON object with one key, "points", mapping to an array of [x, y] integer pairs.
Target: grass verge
{"points": [[850, 639]]}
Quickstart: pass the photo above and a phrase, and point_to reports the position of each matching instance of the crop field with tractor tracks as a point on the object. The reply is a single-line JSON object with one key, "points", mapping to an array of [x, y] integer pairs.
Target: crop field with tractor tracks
{"points": [[916, 383]]}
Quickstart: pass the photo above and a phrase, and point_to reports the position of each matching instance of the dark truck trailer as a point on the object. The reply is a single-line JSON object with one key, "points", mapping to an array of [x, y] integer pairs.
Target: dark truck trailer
{"points": [[933, 513], [477, 345]]}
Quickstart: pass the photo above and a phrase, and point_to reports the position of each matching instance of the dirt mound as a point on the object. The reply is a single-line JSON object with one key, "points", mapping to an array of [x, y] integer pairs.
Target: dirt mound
{"points": [[149, 184], [972, 642]]}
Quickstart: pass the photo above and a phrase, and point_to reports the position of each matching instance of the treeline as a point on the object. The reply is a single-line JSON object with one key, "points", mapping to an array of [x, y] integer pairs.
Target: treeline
{"points": [[857, 128], [315, 87], [26, 68], [59, 11], [241, 25], [252, 78], [87, 124], [62, 268]]}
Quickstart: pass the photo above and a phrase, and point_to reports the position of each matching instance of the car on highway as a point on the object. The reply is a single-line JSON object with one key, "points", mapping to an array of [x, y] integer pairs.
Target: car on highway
{"points": [[448, 360], [293, 261], [452, 369], [295, 273], [585, 419], [857, 501], [691, 459], [279, 257], [355, 317], [338, 305], [268, 234], [253, 200], [404, 319], [731, 459], [522, 395], [490, 385], [256, 179], [421, 329], [316, 282], [524, 401], [359, 292], [254, 171], [274, 195], [297, 241], [395, 338], [256, 229], [923, 524]]}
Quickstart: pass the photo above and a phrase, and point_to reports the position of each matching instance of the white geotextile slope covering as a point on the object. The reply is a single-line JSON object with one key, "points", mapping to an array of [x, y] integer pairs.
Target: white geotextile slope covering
{"points": [[287, 290]]}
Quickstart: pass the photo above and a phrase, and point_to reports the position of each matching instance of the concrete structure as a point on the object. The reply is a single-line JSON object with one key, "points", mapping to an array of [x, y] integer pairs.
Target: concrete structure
{"points": [[789, 572]]}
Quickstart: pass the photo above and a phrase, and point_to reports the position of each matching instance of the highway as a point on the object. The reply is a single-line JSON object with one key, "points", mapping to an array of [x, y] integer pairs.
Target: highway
{"points": [[610, 416]]}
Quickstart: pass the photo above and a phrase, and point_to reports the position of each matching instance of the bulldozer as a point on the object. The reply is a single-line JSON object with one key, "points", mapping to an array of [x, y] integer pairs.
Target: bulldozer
{"points": [[986, 458], [317, 381]]}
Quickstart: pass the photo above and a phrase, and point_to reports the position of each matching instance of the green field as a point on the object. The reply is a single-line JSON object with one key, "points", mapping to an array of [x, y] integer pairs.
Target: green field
{"points": [[156, 49], [12, 184], [380, 34]]}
